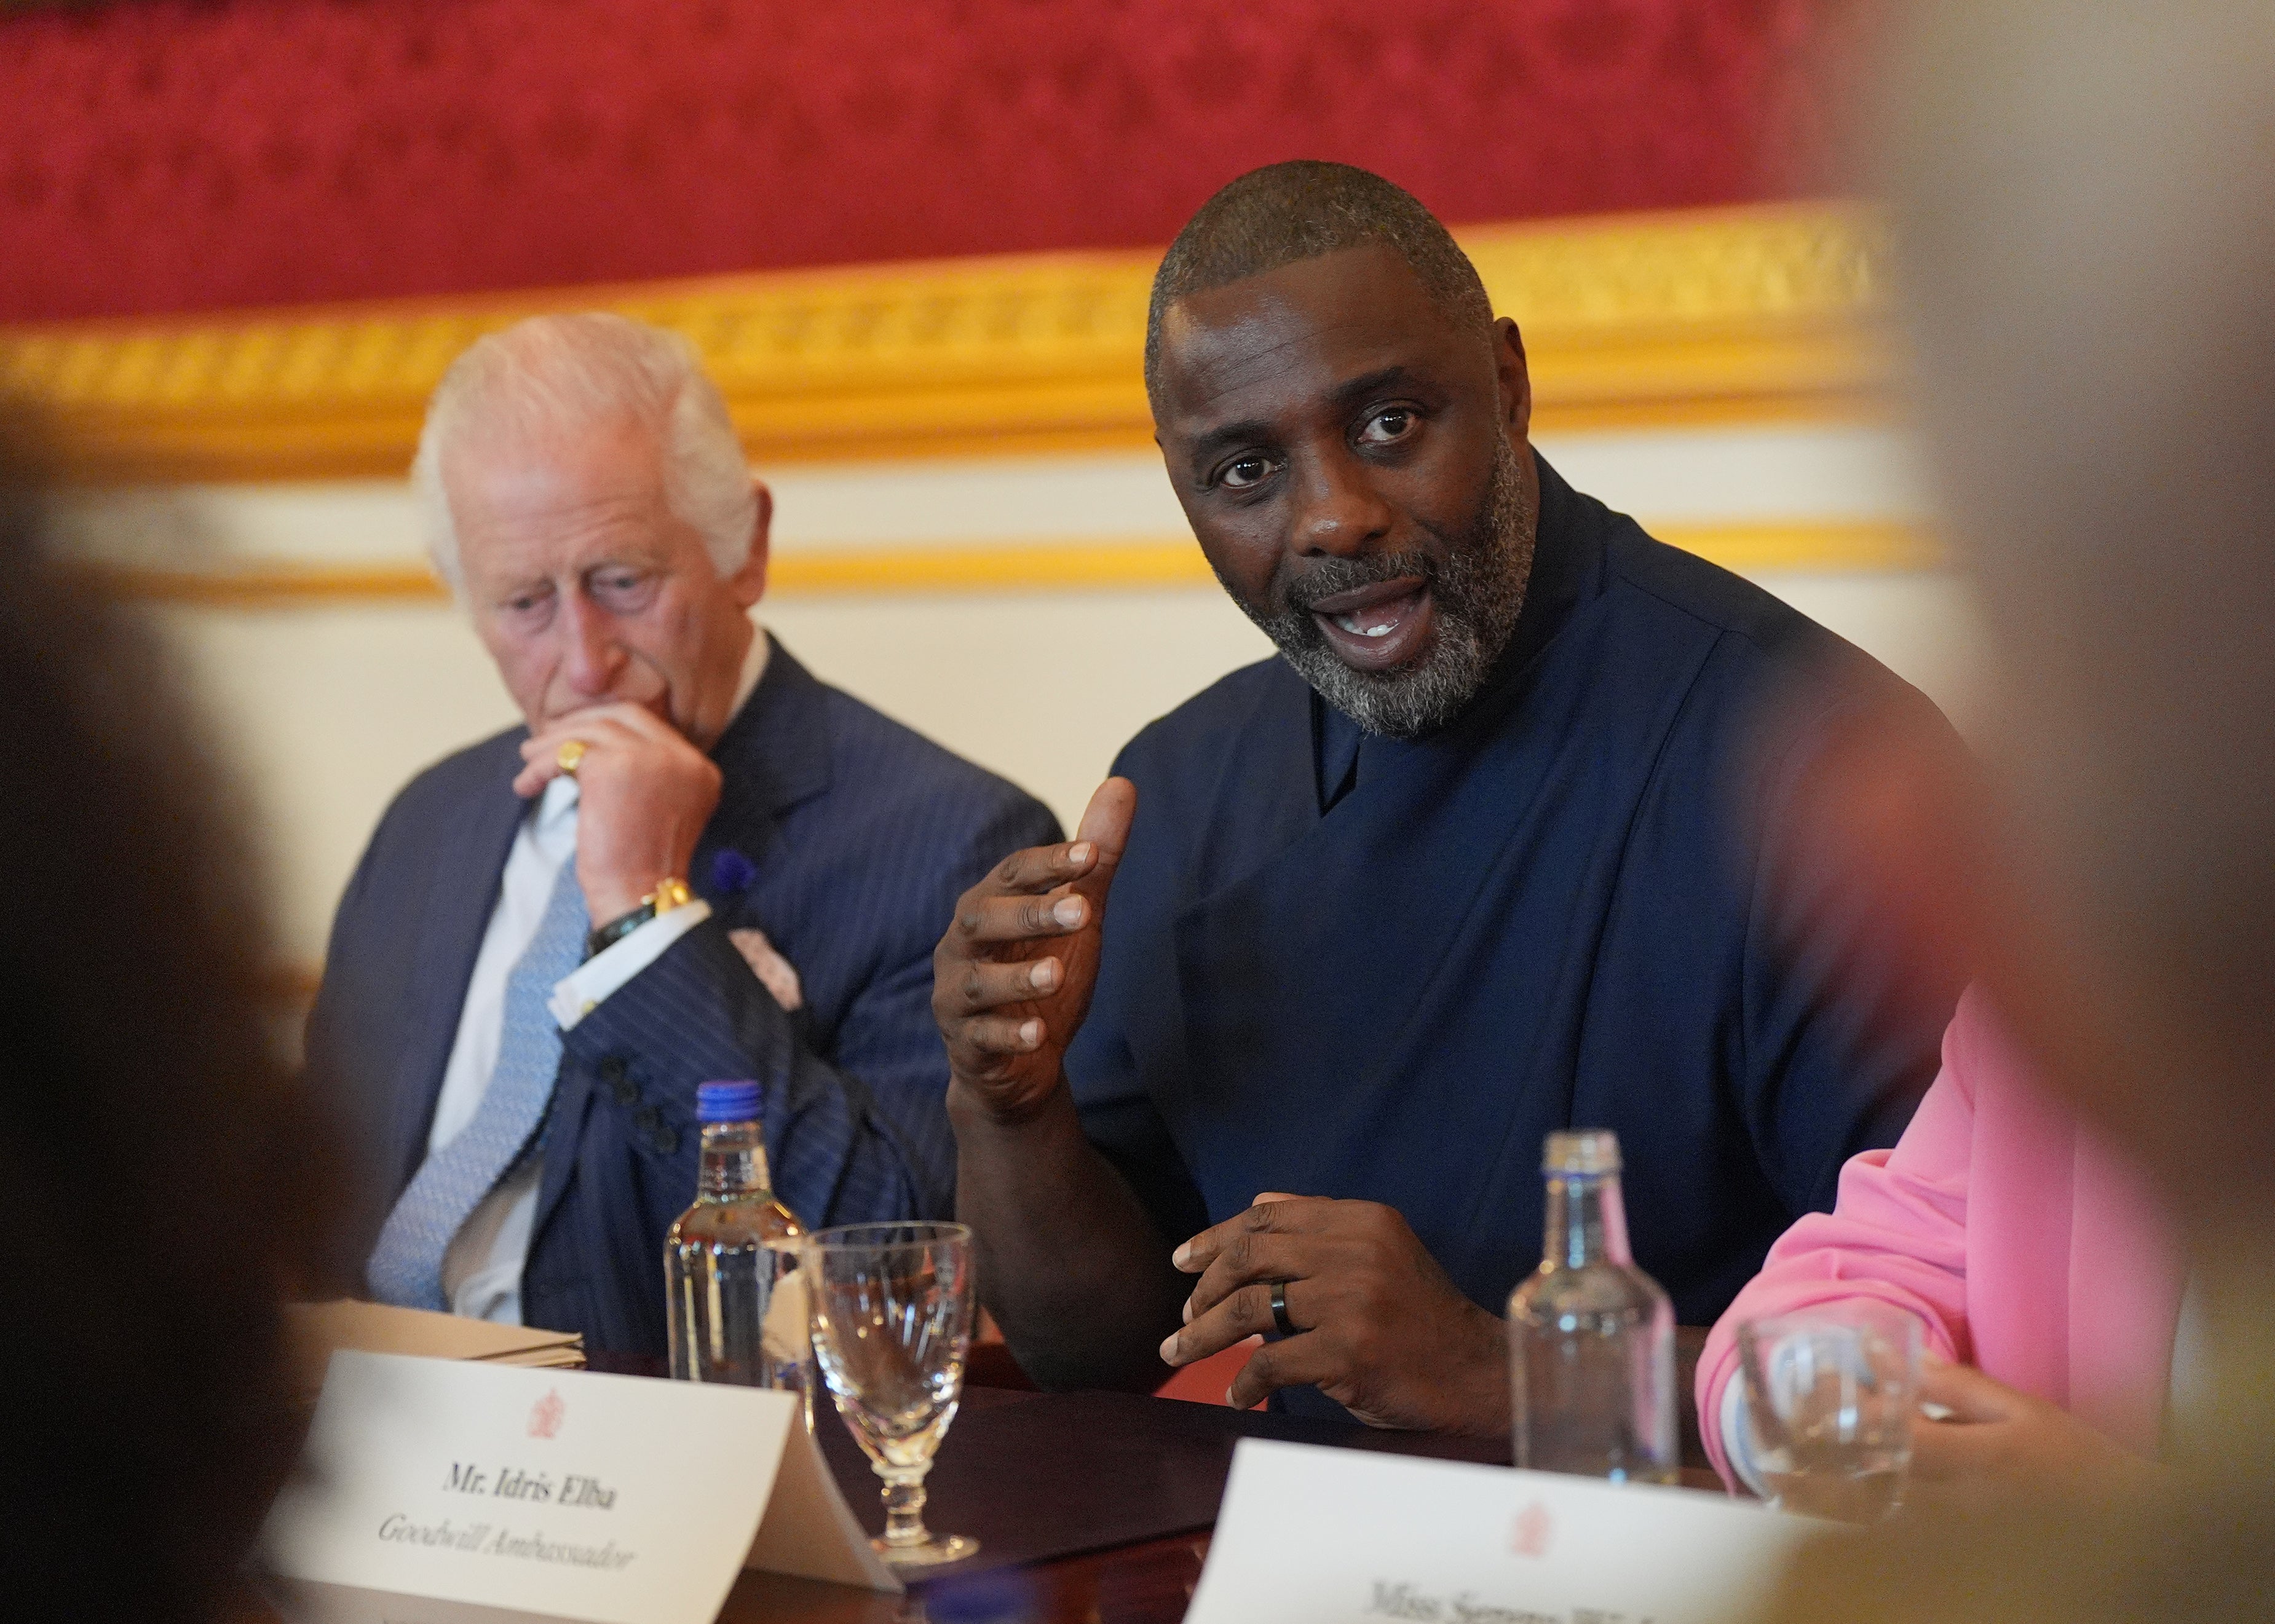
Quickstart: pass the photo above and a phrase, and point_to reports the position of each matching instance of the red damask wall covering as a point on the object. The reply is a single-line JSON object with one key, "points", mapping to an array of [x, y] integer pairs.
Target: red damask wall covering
{"points": [[174, 154]]}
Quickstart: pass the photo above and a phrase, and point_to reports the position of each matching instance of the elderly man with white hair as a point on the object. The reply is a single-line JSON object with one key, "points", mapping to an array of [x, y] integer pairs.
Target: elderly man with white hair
{"points": [[693, 862]]}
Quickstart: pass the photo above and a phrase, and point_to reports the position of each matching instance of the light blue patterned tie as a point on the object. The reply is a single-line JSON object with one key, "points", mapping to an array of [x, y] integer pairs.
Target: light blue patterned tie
{"points": [[406, 1264]]}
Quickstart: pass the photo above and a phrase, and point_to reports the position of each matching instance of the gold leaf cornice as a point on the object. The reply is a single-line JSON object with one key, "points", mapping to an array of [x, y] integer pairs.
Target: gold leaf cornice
{"points": [[1705, 315]]}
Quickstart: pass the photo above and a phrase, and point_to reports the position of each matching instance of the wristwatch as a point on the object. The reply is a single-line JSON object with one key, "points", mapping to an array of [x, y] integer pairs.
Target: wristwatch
{"points": [[668, 895]]}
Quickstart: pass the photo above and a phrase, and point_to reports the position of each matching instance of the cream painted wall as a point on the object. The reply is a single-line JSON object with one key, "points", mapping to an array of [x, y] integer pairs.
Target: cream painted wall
{"points": [[328, 710], [326, 713]]}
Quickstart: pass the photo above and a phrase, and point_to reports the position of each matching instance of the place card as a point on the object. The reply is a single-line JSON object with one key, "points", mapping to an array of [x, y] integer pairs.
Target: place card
{"points": [[1316, 1536], [614, 1500]]}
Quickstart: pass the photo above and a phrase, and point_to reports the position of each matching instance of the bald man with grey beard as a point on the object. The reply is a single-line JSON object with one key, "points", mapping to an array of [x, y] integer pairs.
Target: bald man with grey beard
{"points": [[1273, 1045]]}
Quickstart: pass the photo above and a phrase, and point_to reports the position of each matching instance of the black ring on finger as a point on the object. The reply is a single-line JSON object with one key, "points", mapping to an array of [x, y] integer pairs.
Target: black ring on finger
{"points": [[1285, 1326]]}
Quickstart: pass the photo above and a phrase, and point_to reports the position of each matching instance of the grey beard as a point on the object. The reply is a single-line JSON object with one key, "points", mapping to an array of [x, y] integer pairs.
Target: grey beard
{"points": [[1477, 590]]}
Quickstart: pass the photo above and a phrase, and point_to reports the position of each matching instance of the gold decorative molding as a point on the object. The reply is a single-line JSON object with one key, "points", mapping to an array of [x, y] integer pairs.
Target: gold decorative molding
{"points": [[1069, 566], [1681, 317]]}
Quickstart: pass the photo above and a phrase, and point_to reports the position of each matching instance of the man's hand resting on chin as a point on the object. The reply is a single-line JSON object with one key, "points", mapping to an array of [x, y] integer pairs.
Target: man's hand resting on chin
{"points": [[1378, 1327], [643, 795]]}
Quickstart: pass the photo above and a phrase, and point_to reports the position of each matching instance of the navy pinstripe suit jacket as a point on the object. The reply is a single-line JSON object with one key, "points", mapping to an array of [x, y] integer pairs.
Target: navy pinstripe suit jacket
{"points": [[861, 834]]}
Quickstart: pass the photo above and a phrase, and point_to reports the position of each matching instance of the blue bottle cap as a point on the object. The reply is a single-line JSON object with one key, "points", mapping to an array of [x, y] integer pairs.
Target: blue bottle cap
{"points": [[729, 1102]]}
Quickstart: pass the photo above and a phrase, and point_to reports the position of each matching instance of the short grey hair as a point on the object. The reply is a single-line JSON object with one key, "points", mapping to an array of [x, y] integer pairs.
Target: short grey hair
{"points": [[1300, 210], [552, 373]]}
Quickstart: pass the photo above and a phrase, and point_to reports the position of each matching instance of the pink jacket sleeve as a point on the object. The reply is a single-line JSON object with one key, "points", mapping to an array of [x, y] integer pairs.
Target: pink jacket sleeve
{"points": [[1897, 1232]]}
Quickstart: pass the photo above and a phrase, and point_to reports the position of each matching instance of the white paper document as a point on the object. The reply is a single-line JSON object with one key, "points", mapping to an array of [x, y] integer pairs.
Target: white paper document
{"points": [[617, 1500], [319, 1330], [1318, 1536]]}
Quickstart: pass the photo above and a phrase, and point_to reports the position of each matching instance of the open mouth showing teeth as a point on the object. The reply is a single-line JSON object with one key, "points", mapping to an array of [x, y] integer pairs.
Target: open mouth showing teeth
{"points": [[1378, 626], [1368, 625]]}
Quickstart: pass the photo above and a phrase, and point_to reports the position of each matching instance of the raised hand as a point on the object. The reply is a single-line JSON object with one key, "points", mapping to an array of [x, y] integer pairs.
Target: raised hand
{"points": [[1378, 1327], [1013, 976], [643, 794]]}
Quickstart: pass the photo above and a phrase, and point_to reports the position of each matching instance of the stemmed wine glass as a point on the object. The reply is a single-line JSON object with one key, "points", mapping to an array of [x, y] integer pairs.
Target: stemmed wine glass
{"points": [[892, 1326]]}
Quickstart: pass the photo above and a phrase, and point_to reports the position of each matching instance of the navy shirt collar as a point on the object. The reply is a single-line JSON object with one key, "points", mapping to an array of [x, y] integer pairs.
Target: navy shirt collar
{"points": [[1567, 555]]}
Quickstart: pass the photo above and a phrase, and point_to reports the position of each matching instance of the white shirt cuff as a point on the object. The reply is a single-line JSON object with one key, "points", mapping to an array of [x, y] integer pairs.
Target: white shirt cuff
{"points": [[577, 994], [1737, 1437]]}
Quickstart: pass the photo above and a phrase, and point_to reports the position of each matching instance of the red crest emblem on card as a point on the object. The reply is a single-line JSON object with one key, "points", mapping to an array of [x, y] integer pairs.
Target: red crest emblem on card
{"points": [[1530, 1534], [545, 1414]]}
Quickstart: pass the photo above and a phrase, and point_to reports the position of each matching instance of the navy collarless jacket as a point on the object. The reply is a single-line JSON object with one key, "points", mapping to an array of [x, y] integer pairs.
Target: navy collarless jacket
{"points": [[1583, 903]]}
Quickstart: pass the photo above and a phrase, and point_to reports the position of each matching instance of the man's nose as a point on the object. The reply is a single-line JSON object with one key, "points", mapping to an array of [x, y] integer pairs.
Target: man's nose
{"points": [[592, 659], [1338, 512]]}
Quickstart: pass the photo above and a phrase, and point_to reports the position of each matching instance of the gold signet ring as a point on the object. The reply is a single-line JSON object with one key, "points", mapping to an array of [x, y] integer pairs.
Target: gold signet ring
{"points": [[569, 755]]}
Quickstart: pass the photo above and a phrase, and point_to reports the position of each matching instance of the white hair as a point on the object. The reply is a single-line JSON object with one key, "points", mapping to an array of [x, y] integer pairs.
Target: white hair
{"points": [[555, 373]]}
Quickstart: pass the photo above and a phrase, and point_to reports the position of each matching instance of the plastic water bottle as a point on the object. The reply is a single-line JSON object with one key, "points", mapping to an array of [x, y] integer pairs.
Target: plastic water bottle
{"points": [[1591, 1336], [736, 1300]]}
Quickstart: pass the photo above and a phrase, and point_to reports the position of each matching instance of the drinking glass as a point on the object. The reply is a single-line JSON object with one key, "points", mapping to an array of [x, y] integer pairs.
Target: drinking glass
{"points": [[892, 1325], [1829, 1396]]}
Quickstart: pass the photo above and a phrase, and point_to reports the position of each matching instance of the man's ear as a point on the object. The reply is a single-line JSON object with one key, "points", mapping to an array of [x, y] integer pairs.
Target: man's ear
{"points": [[1516, 378], [749, 582]]}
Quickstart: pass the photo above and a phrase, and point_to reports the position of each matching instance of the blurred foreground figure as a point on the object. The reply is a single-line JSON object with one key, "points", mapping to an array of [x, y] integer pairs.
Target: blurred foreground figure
{"points": [[159, 1181], [694, 862], [2090, 245]]}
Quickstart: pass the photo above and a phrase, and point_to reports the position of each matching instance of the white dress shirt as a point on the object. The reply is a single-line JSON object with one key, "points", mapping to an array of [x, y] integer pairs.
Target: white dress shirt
{"points": [[481, 1272]]}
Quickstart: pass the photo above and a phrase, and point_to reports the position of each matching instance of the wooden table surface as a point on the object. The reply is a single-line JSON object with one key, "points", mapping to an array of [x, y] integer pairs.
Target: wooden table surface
{"points": [[1148, 1583]]}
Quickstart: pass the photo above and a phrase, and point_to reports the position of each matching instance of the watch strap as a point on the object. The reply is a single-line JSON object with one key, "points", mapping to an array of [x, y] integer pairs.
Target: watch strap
{"points": [[668, 895]]}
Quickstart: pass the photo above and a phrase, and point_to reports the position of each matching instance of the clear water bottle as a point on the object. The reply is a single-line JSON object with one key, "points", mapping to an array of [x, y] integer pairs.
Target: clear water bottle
{"points": [[736, 1300], [1591, 1336]]}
